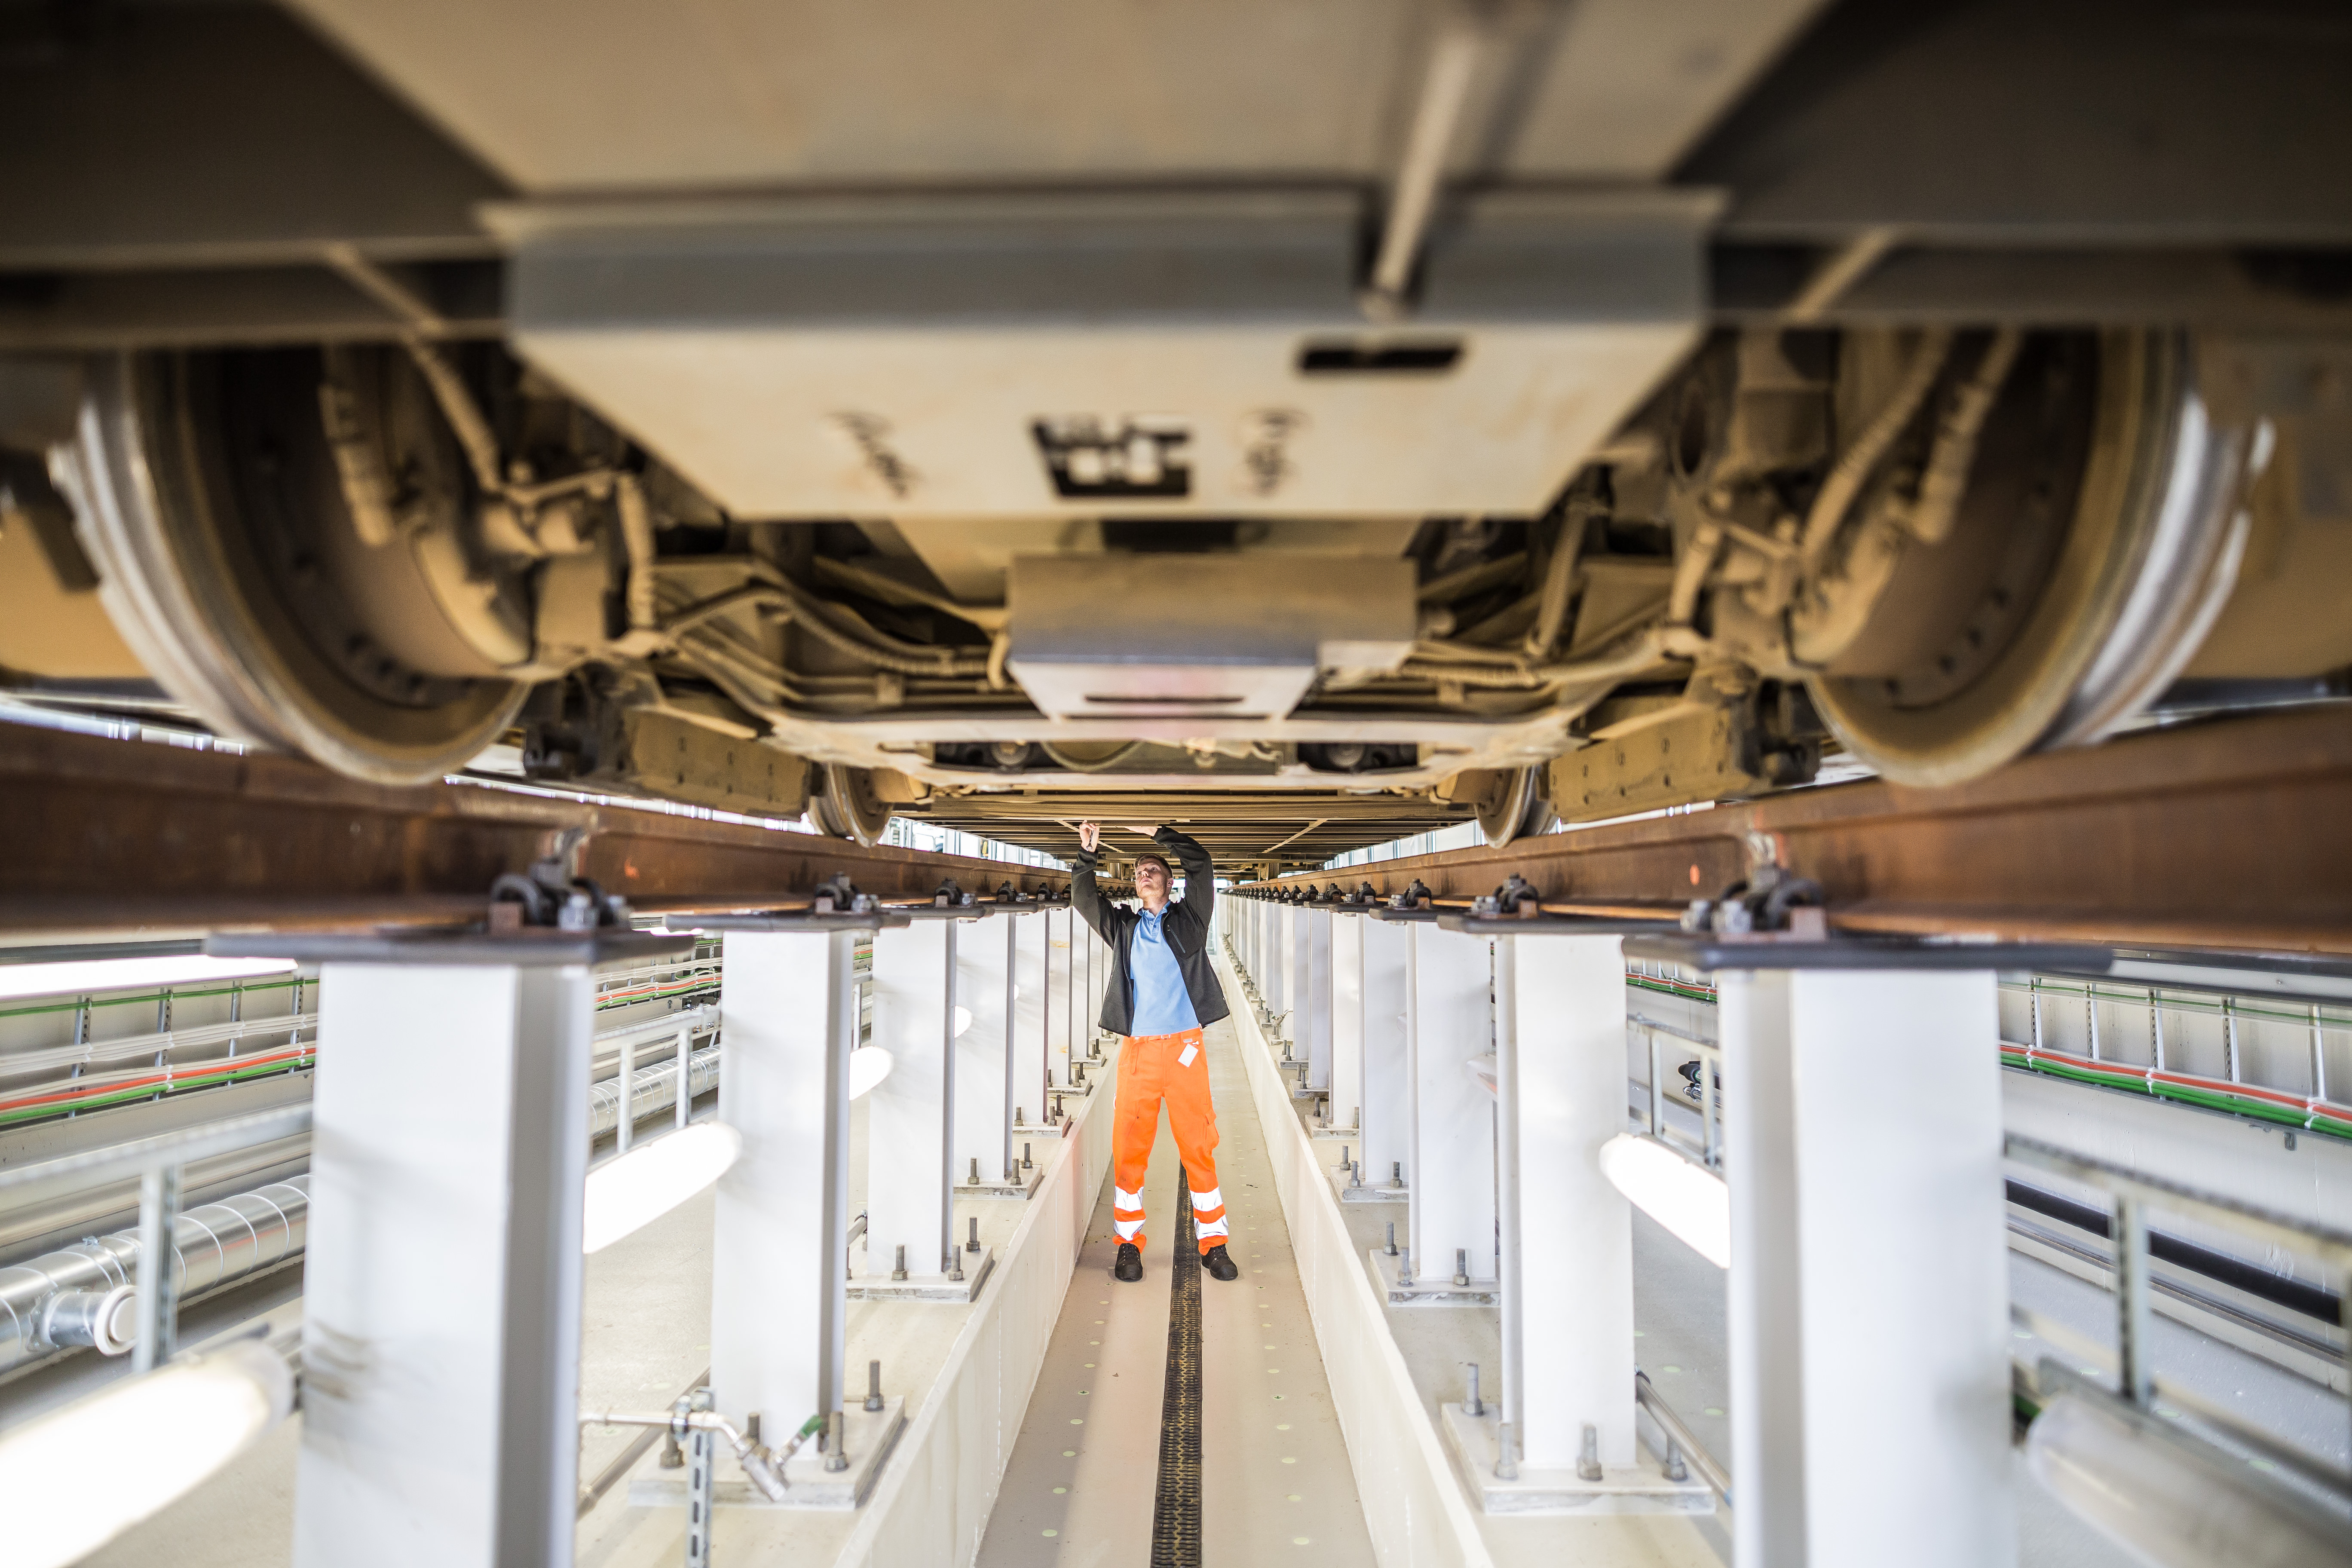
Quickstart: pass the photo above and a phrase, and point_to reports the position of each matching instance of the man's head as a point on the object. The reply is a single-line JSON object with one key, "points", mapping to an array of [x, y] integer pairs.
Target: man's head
{"points": [[1154, 879]]}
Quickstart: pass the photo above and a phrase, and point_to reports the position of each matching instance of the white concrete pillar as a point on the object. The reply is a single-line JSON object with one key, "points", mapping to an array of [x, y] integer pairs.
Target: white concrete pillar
{"points": [[983, 1067], [1452, 1170], [1312, 969], [1347, 1101], [1277, 984], [1388, 1083], [1027, 935], [1869, 1287], [1060, 998], [787, 1009], [909, 1115], [1576, 1234], [439, 1425]]}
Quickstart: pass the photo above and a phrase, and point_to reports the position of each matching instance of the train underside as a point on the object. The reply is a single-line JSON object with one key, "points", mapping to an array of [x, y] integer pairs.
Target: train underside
{"points": [[1315, 426]]}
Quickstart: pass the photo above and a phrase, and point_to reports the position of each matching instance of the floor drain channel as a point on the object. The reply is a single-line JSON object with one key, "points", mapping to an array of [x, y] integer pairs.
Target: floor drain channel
{"points": [[1176, 1514]]}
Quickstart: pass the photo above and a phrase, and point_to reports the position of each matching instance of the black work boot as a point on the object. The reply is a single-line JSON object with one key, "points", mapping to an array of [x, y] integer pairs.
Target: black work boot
{"points": [[1129, 1265], [1218, 1265]]}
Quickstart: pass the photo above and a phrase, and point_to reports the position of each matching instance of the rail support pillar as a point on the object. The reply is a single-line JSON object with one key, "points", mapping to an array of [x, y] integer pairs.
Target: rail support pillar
{"points": [[910, 1115], [1869, 1283], [788, 1014], [1449, 978], [1311, 983], [1062, 927], [437, 1425], [982, 1162], [1030, 1012], [1344, 1110]]}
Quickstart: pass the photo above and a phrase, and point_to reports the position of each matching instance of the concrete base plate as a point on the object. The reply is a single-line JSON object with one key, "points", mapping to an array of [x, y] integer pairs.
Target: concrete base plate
{"points": [[1023, 1185], [867, 1436], [867, 1284], [1633, 1489], [1430, 1290]]}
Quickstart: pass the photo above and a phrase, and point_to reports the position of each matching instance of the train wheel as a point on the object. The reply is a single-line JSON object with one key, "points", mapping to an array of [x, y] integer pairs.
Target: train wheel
{"points": [[211, 501], [847, 806], [2098, 536]]}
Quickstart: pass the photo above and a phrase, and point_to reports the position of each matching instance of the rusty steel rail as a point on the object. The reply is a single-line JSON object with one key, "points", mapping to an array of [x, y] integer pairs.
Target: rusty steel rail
{"points": [[102, 836], [2234, 834]]}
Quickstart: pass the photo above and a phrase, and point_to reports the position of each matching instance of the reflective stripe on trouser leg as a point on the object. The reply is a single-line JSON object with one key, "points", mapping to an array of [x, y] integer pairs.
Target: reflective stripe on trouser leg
{"points": [[1151, 1072], [1208, 1215], [1192, 1117], [1126, 1213], [1135, 1122]]}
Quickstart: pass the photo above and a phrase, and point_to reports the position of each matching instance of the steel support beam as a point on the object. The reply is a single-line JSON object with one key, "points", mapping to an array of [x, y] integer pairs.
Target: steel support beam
{"points": [[147, 837], [2235, 834]]}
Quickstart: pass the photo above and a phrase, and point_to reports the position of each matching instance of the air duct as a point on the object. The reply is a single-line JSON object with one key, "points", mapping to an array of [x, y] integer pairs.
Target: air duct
{"points": [[216, 1244]]}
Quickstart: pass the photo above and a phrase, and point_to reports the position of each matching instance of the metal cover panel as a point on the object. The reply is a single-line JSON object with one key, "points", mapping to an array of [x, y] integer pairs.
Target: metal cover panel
{"points": [[1029, 356], [1222, 636]]}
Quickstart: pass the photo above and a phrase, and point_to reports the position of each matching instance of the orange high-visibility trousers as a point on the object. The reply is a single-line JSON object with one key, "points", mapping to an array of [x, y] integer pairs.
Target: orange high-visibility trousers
{"points": [[1175, 1068]]}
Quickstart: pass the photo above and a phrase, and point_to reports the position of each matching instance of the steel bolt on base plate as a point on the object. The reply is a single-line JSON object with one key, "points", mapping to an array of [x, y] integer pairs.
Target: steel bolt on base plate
{"points": [[1344, 1187], [1429, 1288], [867, 1436], [870, 1284], [1632, 1488], [1024, 1183]]}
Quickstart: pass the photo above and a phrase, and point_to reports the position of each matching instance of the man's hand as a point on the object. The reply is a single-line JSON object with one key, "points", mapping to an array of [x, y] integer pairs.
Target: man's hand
{"points": [[1089, 837]]}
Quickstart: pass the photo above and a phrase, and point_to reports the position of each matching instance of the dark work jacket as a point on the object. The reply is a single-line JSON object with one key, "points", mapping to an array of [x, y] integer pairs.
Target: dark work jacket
{"points": [[1185, 929]]}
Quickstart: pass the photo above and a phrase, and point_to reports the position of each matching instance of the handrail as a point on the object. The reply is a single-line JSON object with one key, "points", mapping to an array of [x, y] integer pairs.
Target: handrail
{"points": [[167, 1149]]}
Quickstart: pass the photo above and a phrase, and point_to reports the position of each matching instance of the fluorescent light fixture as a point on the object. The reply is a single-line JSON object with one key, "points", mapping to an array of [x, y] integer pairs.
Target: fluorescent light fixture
{"points": [[2168, 1498], [1688, 1199], [76, 976], [868, 1064], [74, 1479], [629, 1192]]}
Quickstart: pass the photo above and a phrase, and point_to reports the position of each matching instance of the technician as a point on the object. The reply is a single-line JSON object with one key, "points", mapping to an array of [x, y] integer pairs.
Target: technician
{"points": [[1161, 993]]}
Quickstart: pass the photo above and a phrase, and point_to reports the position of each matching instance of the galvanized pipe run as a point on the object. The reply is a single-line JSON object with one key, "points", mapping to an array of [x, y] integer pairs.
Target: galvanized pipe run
{"points": [[213, 1245], [655, 1089]]}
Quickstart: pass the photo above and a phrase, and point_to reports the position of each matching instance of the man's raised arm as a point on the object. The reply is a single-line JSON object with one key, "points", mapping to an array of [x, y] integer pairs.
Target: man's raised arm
{"points": [[1084, 897], [1199, 872]]}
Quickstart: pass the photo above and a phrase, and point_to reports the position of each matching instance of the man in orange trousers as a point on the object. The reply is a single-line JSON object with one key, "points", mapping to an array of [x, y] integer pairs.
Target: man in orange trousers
{"points": [[1162, 992]]}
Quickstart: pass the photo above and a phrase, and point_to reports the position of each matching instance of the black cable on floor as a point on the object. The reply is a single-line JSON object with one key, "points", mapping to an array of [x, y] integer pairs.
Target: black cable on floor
{"points": [[1176, 1512]]}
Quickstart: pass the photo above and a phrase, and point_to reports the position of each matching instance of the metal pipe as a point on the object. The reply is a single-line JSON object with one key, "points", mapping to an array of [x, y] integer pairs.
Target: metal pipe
{"points": [[627, 1459], [2135, 1359], [1678, 1436], [763, 1467], [1508, 1153], [656, 1091], [1444, 89], [841, 1003], [158, 1308], [213, 1245]]}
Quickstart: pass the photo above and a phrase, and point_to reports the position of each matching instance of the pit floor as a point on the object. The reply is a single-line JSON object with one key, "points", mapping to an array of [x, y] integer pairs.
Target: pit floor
{"points": [[1275, 1485]]}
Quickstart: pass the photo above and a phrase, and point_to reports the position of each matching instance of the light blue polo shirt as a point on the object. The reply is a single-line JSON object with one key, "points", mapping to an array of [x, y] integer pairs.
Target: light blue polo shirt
{"points": [[1162, 1006]]}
